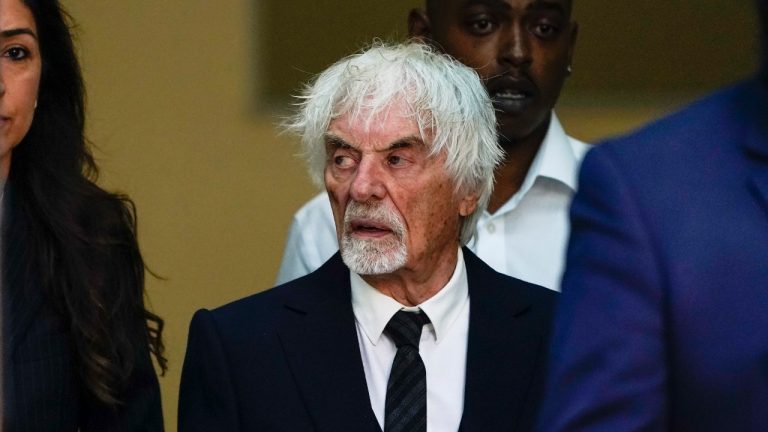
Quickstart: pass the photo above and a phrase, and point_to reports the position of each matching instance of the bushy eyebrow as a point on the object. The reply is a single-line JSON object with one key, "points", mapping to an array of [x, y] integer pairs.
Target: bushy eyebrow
{"points": [[16, 32], [333, 141], [406, 142]]}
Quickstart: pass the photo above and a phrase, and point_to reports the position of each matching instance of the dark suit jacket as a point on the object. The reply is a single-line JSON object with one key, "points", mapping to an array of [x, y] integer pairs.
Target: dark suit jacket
{"points": [[41, 390], [663, 320], [288, 359]]}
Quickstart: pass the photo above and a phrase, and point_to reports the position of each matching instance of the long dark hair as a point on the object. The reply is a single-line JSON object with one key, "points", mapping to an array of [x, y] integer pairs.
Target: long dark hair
{"points": [[82, 238]]}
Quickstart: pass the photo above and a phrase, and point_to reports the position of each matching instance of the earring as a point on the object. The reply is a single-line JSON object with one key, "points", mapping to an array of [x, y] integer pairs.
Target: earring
{"points": [[569, 69], [35, 103]]}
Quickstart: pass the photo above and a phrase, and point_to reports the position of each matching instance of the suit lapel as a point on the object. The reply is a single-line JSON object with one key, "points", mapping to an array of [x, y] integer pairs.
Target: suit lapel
{"points": [[502, 351], [320, 343]]}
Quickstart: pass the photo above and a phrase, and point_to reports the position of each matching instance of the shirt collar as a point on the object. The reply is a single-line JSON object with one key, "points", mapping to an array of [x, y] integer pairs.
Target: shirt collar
{"points": [[373, 310], [557, 159]]}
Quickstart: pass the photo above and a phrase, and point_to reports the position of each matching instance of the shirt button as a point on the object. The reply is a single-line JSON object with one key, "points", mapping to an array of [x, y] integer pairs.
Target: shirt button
{"points": [[491, 228]]}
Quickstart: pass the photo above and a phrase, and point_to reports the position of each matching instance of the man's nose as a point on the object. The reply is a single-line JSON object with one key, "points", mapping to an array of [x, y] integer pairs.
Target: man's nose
{"points": [[515, 48], [368, 182]]}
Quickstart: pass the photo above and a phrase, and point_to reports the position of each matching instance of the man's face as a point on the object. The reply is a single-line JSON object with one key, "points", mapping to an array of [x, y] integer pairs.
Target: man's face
{"points": [[521, 48], [394, 206]]}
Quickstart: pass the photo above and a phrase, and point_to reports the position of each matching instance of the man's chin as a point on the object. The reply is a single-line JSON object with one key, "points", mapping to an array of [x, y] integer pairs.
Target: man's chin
{"points": [[371, 257], [516, 129]]}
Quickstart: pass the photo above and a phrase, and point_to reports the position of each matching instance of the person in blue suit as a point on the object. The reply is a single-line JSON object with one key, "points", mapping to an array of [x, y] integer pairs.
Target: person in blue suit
{"points": [[404, 140], [663, 320]]}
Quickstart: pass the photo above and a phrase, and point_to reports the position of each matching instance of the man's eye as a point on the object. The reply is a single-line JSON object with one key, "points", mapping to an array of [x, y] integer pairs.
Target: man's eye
{"points": [[342, 161], [16, 53], [481, 26], [395, 160], [545, 31]]}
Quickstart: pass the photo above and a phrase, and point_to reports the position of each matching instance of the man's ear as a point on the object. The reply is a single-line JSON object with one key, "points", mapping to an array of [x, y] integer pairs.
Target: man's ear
{"points": [[419, 26], [574, 35], [468, 205]]}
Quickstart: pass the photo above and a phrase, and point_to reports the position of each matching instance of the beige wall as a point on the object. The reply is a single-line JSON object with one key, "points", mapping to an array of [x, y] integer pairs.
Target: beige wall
{"points": [[648, 45], [169, 84], [171, 88]]}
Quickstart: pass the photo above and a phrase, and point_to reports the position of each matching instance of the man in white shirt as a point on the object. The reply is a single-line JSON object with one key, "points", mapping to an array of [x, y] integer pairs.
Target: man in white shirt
{"points": [[522, 50], [403, 329]]}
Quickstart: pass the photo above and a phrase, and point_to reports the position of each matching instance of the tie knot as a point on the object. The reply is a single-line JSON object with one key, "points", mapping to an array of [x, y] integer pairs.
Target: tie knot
{"points": [[405, 328]]}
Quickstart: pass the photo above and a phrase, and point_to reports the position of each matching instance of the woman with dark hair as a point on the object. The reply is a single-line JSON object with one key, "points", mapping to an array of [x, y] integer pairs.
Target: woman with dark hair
{"points": [[76, 335]]}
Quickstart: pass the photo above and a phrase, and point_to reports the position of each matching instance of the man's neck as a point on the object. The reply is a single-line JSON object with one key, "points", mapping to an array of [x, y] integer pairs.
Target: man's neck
{"points": [[414, 286], [510, 174]]}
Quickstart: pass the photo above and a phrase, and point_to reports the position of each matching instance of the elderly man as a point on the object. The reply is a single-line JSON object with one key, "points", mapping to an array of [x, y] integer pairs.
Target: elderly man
{"points": [[522, 50], [663, 324], [403, 330]]}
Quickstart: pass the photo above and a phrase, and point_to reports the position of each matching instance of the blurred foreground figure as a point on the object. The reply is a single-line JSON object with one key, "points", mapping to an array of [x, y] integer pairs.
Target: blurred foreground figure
{"points": [[403, 329], [663, 324]]}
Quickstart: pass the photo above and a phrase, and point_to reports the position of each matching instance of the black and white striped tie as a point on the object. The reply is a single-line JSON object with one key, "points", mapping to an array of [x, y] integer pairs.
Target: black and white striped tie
{"points": [[406, 404]]}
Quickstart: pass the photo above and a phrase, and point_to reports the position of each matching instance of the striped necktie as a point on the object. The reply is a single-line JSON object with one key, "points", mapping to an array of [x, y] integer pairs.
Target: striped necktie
{"points": [[405, 408]]}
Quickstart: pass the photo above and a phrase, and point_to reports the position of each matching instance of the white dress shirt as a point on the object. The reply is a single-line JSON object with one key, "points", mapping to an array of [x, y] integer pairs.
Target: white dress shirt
{"points": [[443, 346], [525, 238]]}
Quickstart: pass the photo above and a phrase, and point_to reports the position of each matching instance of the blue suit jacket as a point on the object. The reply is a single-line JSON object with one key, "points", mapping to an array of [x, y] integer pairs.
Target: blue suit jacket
{"points": [[42, 390], [288, 359], [663, 320]]}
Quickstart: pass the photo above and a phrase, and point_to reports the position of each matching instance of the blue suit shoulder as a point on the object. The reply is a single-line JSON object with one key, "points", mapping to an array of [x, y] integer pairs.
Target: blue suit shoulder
{"points": [[700, 144]]}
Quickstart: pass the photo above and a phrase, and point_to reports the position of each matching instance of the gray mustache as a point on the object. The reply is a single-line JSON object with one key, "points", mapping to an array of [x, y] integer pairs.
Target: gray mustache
{"points": [[375, 212]]}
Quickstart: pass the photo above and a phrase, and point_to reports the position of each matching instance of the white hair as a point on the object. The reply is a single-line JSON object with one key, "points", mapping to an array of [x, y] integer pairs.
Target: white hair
{"points": [[447, 99]]}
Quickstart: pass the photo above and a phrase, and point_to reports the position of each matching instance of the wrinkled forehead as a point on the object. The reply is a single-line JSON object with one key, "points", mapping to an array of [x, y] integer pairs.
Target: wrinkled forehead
{"points": [[375, 111]]}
